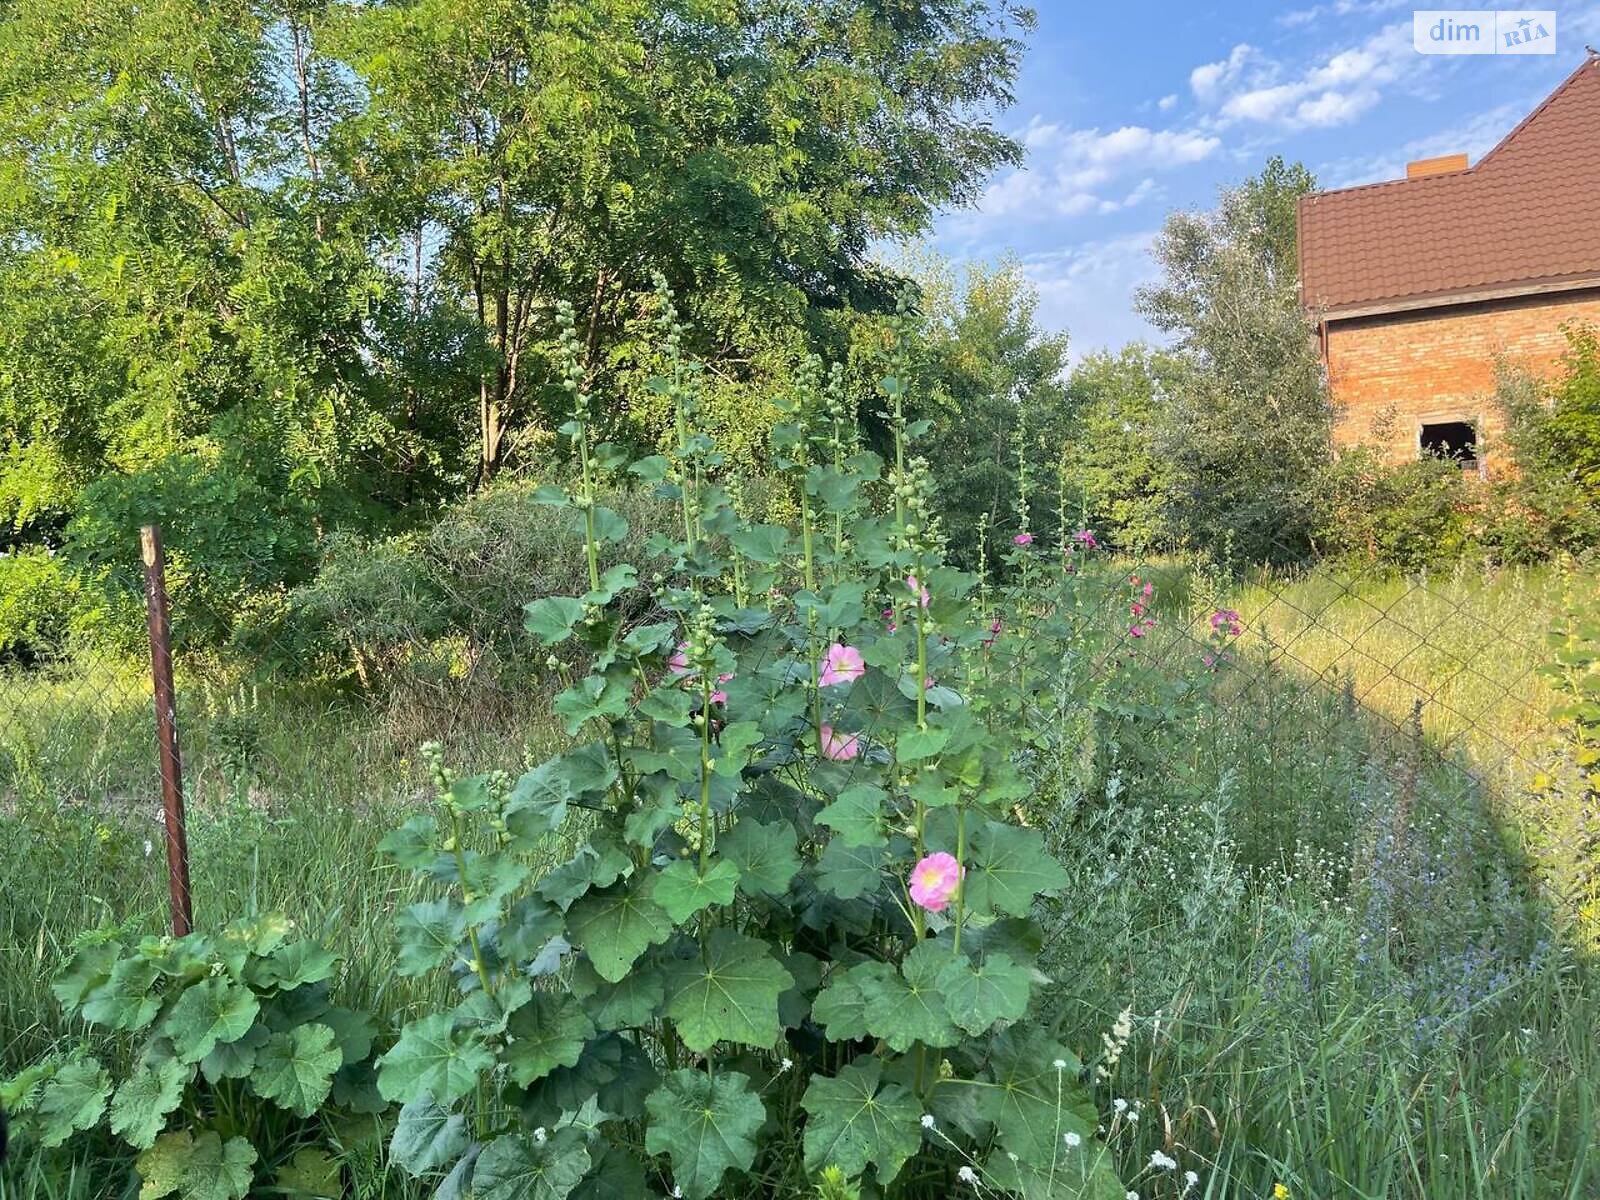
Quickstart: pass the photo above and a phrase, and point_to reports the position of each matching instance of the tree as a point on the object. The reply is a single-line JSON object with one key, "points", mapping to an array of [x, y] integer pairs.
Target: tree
{"points": [[567, 149], [990, 379], [1249, 423], [1117, 481]]}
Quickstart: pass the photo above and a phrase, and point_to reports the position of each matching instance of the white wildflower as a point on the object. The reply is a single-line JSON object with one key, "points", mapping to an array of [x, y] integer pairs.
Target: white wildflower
{"points": [[1072, 1139], [927, 1120], [1162, 1162], [1060, 1064], [539, 1135], [1120, 1105], [1190, 1179], [967, 1175], [785, 1065]]}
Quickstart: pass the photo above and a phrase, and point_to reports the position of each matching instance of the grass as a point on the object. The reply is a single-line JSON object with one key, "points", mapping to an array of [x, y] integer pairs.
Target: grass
{"points": [[1328, 920]]}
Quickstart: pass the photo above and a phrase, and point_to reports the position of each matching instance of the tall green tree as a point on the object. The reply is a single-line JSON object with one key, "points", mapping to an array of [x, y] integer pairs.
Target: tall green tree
{"points": [[752, 152], [1248, 424]]}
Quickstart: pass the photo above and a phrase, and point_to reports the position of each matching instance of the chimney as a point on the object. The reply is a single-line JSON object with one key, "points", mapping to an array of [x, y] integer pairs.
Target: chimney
{"points": [[1443, 165]]}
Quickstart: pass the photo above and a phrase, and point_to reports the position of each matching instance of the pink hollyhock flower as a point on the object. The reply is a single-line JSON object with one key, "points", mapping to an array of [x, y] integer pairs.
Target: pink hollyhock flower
{"points": [[842, 748], [1136, 631], [842, 665], [678, 664], [1136, 608], [1023, 539], [1149, 590], [1226, 621], [934, 880], [721, 697], [917, 590], [1086, 539]]}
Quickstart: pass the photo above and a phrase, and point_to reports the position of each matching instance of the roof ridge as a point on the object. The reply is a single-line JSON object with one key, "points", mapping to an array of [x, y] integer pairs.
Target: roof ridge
{"points": [[1588, 61]]}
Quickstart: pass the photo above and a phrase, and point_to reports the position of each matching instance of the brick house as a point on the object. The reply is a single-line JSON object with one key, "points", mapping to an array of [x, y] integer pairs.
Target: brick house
{"points": [[1419, 285]]}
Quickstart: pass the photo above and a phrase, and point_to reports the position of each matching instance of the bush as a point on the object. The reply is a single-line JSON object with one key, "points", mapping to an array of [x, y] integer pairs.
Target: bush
{"points": [[441, 601], [1411, 516], [37, 602]]}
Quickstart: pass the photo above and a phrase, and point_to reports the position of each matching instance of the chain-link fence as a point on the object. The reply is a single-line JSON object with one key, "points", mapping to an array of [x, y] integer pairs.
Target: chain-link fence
{"points": [[1377, 680]]}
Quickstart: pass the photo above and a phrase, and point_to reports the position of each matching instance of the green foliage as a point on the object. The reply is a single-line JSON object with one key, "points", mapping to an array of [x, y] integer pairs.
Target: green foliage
{"points": [[990, 381], [1411, 515], [712, 940], [37, 604], [245, 1013], [1248, 422], [1550, 501], [1115, 479]]}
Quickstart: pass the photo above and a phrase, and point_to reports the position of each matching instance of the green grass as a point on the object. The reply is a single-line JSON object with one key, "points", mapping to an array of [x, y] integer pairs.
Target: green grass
{"points": [[1324, 994]]}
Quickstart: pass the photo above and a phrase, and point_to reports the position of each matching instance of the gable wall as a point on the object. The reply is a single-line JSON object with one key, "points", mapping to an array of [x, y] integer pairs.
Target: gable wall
{"points": [[1438, 364]]}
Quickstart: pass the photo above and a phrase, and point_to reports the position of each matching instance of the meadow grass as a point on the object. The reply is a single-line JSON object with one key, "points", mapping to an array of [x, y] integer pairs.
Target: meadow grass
{"points": [[1323, 995]]}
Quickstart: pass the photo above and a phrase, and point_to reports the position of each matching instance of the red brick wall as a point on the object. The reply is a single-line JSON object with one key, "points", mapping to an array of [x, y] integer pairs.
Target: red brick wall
{"points": [[1439, 364]]}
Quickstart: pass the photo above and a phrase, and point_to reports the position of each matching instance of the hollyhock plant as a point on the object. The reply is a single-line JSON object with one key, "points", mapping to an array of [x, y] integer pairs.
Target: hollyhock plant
{"points": [[678, 664], [934, 880], [719, 696], [1023, 539], [917, 590], [841, 665], [840, 747], [1085, 540]]}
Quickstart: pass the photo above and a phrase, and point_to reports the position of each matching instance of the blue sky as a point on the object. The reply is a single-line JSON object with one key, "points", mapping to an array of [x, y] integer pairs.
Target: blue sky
{"points": [[1130, 110]]}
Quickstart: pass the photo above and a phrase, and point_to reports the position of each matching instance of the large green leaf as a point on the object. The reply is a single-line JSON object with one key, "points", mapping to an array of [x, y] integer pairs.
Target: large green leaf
{"points": [[630, 1002], [142, 1103], [71, 1099], [211, 1011], [427, 1137], [765, 855], [706, 1124], [596, 865], [547, 1032], [1011, 866], [196, 1168], [616, 926], [433, 1057], [522, 1167], [90, 967], [682, 890], [976, 995], [125, 1000], [1032, 1095], [855, 1119], [850, 872], [295, 1068], [428, 933], [841, 1007], [907, 1006], [293, 965], [551, 619], [538, 803], [728, 994], [1085, 1171], [857, 815]]}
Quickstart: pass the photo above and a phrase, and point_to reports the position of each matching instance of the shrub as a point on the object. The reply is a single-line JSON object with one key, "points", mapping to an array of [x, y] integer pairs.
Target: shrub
{"points": [[226, 1023], [37, 601], [799, 935], [1411, 515]]}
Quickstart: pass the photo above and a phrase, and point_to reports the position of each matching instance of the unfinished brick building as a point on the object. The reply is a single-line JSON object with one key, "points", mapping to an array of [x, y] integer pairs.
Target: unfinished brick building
{"points": [[1419, 285]]}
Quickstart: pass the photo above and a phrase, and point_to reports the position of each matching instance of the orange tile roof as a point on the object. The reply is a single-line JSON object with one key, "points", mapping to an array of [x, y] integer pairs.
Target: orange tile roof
{"points": [[1525, 218]]}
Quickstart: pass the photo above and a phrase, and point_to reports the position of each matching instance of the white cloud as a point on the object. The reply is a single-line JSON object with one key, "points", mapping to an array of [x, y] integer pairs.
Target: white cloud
{"points": [[1333, 91], [1087, 289], [1206, 79], [1070, 169], [1167, 101]]}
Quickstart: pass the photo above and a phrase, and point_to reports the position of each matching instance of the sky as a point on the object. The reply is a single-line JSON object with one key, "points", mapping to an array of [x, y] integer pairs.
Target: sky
{"points": [[1130, 110]]}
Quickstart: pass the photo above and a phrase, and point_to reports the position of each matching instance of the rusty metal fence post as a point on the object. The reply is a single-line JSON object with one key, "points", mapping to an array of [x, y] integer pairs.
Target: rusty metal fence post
{"points": [[155, 599]]}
